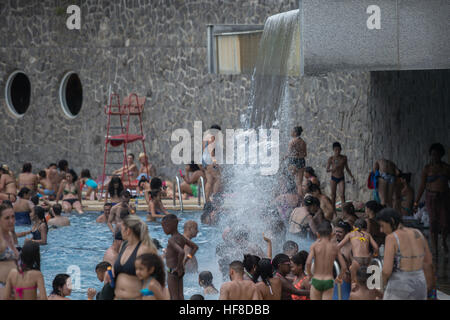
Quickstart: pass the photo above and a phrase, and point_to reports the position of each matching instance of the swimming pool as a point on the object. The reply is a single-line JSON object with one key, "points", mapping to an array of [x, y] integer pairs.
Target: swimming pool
{"points": [[78, 248]]}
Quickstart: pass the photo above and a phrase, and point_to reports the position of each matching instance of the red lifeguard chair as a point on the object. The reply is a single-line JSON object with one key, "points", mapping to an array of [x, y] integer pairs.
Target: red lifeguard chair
{"points": [[132, 106]]}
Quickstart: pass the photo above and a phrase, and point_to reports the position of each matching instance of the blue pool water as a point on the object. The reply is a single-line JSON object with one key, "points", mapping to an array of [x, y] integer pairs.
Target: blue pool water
{"points": [[81, 246]]}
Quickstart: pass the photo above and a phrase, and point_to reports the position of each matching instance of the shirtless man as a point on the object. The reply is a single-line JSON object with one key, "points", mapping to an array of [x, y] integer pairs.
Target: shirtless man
{"points": [[190, 231], [130, 172], [45, 186], [103, 218], [238, 288], [53, 176], [326, 205], [336, 165], [341, 230], [63, 169], [296, 157], [28, 179], [58, 220], [8, 189], [176, 257], [114, 216], [324, 252], [386, 180], [361, 241], [189, 185]]}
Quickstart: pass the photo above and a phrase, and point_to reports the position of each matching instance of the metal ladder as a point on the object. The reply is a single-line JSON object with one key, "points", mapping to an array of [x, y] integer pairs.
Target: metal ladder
{"points": [[180, 196], [201, 185]]}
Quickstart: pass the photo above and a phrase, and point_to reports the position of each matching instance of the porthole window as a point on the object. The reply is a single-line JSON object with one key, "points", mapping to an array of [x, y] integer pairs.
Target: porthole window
{"points": [[18, 93], [71, 94]]}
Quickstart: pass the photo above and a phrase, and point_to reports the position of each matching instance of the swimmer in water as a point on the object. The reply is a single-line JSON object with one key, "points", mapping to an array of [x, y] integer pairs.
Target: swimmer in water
{"points": [[175, 256], [205, 280], [156, 208], [190, 231], [25, 282], [238, 288], [270, 287], [150, 270]]}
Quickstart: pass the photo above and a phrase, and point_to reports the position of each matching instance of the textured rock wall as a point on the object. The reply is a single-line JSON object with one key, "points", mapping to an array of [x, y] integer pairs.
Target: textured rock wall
{"points": [[154, 48]]}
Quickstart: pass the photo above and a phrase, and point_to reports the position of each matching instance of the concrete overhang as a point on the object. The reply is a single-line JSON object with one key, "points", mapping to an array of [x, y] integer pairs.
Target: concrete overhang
{"points": [[347, 35]]}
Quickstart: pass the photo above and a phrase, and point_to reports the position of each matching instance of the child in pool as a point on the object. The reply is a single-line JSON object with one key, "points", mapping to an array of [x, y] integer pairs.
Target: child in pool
{"points": [[155, 206], [360, 290], [361, 242], [205, 280], [23, 283], [150, 270], [175, 256], [324, 251]]}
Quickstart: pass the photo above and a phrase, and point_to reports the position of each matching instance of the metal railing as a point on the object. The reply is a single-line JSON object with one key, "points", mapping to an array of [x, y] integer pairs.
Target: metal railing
{"points": [[201, 187], [180, 195]]}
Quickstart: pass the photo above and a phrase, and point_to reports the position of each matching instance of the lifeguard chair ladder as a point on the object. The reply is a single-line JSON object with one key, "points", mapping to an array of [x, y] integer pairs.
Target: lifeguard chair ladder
{"points": [[132, 106]]}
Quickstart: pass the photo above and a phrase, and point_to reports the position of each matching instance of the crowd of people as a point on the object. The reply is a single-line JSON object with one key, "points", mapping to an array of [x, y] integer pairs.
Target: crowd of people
{"points": [[348, 238]]}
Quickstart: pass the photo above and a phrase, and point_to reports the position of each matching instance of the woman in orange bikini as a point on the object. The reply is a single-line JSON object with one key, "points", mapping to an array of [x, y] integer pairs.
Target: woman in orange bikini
{"points": [[298, 269]]}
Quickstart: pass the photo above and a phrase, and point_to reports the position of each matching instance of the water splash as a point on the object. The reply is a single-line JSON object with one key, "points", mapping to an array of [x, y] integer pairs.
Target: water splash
{"points": [[251, 205]]}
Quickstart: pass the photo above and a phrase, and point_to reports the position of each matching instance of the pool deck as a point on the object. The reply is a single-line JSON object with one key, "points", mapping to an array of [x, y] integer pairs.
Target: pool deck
{"points": [[188, 205]]}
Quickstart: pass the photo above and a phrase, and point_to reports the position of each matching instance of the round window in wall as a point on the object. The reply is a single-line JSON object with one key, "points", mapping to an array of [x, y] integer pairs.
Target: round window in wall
{"points": [[18, 93], [71, 94]]}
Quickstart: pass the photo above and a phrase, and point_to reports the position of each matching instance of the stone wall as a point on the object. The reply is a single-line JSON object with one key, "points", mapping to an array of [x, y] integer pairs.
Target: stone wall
{"points": [[154, 48]]}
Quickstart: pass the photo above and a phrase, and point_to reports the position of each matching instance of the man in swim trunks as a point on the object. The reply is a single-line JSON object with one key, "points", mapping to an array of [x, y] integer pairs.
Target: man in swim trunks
{"points": [[45, 186], [238, 288], [147, 169], [340, 231], [190, 231], [324, 251], [53, 175], [387, 173], [336, 165], [296, 157], [175, 256]]}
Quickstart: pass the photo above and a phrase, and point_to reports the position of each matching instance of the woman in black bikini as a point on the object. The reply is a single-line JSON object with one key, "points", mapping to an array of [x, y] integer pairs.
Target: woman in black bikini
{"points": [[137, 241], [39, 229], [72, 193], [336, 165], [434, 180]]}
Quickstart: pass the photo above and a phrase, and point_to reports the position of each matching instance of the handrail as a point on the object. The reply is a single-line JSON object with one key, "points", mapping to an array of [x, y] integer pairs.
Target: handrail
{"points": [[201, 184], [180, 195], [378, 262]]}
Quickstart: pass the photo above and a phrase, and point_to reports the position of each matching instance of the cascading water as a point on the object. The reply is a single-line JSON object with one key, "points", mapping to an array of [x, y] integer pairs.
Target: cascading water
{"points": [[250, 206]]}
